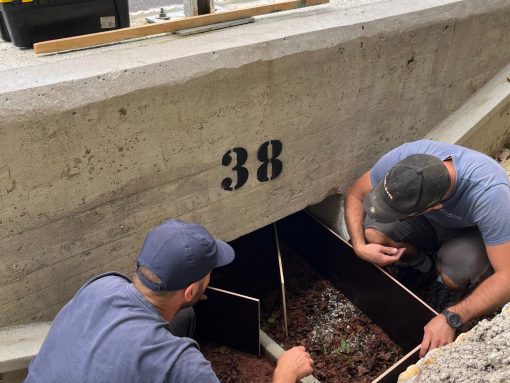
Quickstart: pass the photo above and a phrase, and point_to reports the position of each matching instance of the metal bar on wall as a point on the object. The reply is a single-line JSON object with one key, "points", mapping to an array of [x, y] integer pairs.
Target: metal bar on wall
{"points": [[282, 282]]}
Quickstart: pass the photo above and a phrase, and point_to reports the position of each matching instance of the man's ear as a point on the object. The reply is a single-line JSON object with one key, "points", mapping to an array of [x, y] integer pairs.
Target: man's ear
{"points": [[191, 291]]}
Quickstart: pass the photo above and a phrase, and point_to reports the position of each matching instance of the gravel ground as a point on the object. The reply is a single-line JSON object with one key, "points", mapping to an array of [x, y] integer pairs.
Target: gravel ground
{"points": [[481, 355]]}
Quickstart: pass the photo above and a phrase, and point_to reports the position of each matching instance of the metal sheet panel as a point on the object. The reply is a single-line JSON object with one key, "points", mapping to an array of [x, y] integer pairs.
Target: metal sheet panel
{"points": [[395, 309], [254, 270], [229, 319]]}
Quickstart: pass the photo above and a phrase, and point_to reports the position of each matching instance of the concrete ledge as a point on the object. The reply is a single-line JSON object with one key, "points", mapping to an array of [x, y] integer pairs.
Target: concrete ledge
{"points": [[482, 122], [19, 344]]}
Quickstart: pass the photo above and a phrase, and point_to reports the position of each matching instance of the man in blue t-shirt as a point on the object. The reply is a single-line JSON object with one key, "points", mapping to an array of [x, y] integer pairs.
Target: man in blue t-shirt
{"points": [[429, 197], [115, 330]]}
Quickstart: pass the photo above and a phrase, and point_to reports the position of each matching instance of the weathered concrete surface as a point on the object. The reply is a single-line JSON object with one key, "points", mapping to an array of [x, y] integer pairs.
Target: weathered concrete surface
{"points": [[97, 147]]}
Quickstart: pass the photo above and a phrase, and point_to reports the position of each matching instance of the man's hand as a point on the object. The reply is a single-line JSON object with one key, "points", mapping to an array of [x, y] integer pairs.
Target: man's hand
{"points": [[293, 365], [355, 216], [379, 254], [437, 333]]}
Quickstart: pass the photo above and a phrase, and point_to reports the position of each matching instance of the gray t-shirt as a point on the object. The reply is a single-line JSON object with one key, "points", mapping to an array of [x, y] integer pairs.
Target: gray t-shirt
{"points": [[110, 333], [482, 192]]}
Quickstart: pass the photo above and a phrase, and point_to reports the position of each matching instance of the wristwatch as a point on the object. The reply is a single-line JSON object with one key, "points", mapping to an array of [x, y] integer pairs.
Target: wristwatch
{"points": [[453, 319]]}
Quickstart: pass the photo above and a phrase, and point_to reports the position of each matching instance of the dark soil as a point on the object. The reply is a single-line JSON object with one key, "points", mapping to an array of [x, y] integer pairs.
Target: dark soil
{"points": [[233, 366], [344, 343]]}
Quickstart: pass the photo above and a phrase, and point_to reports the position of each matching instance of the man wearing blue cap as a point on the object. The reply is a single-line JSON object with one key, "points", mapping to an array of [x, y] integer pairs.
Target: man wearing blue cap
{"points": [[115, 330], [431, 198]]}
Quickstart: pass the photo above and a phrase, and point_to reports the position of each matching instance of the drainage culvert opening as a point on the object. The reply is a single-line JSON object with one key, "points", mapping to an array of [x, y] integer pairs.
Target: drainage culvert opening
{"points": [[356, 321]]}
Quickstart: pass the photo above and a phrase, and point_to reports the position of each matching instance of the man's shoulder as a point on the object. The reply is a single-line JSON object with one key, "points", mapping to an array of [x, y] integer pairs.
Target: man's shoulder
{"points": [[106, 279], [110, 277], [429, 147]]}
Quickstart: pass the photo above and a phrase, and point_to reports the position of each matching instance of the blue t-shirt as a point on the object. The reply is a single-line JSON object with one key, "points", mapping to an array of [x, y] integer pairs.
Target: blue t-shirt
{"points": [[110, 333], [481, 195]]}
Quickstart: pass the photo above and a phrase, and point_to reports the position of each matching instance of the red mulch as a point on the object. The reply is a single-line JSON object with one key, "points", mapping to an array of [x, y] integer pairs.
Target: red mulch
{"points": [[344, 343], [233, 366]]}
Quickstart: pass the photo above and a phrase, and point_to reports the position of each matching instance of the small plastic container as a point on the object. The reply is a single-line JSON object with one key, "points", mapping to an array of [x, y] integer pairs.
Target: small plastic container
{"points": [[25, 22]]}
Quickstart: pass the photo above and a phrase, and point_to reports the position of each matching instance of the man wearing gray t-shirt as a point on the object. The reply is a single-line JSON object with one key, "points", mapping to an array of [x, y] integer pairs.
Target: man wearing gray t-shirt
{"points": [[428, 197], [115, 330]]}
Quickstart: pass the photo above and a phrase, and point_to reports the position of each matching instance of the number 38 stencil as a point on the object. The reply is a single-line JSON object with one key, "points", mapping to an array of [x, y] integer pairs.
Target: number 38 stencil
{"points": [[238, 157]]}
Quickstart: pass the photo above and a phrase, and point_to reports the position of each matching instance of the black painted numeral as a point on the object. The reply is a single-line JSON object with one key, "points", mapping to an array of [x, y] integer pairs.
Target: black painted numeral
{"points": [[265, 172], [263, 156], [242, 172]]}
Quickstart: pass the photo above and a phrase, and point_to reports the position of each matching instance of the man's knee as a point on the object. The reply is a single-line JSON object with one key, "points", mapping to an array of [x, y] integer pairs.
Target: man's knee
{"points": [[450, 283], [375, 236], [371, 234], [463, 262]]}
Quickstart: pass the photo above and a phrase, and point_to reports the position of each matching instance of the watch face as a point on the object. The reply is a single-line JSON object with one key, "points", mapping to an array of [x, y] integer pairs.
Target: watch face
{"points": [[454, 320]]}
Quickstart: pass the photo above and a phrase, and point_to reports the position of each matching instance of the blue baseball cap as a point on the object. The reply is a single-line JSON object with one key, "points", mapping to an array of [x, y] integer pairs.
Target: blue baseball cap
{"points": [[181, 253]]}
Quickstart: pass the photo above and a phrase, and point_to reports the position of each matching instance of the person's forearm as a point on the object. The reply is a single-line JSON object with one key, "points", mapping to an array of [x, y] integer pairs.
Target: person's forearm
{"points": [[491, 294], [354, 218]]}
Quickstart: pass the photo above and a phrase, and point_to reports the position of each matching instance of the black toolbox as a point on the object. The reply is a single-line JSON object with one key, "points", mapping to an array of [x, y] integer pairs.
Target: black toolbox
{"points": [[25, 22]]}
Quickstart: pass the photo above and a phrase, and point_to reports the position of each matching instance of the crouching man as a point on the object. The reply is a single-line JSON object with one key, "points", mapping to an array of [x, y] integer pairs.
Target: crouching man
{"points": [[118, 330], [427, 203]]}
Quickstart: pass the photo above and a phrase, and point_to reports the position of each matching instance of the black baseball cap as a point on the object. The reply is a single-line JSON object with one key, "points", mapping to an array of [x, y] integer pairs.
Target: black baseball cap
{"points": [[181, 253], [413, 185]]}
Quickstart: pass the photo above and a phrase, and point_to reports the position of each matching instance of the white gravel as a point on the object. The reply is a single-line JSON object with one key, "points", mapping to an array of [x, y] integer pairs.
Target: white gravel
{"points": [[328, 312], [481, 355]]}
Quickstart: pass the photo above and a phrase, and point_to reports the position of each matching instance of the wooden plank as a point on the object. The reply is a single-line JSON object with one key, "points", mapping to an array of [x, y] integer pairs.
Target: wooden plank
{"points": [[117, 35]]}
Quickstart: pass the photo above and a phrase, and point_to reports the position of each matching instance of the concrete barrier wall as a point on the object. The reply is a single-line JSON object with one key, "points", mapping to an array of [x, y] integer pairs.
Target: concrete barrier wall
{"points": [[96, 149]]}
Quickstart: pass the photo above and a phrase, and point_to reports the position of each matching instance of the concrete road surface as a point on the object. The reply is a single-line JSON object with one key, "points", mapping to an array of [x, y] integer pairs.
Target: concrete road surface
{"points": [[141, 5]]}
